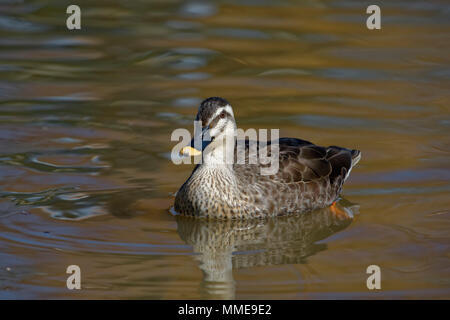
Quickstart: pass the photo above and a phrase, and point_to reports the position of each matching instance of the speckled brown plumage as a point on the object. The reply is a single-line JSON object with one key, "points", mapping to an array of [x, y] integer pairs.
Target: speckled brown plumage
{"points": [[309, 177]]}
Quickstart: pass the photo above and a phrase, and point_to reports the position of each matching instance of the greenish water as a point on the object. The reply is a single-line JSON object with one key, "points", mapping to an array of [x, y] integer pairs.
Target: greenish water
{"points": [[85, 123]]}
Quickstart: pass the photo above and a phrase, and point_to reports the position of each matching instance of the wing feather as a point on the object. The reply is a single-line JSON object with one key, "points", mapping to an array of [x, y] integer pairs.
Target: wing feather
{"points": [[303, 161]]}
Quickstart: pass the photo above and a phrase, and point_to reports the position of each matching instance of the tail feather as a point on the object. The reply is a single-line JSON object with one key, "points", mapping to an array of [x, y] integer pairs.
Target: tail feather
{"points": [[356, 156], [342, 161]]}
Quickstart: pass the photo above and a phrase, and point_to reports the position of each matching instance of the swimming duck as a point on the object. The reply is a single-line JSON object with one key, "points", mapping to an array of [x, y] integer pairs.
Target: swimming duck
{"points": [[309, 177]]}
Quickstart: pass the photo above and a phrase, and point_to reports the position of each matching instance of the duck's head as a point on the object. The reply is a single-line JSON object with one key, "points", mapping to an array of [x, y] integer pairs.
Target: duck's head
{"points": [[218, 127]]}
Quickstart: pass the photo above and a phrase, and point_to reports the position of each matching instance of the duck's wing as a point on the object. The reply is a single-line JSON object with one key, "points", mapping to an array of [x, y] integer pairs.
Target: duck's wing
{"points": [[301, 160]]}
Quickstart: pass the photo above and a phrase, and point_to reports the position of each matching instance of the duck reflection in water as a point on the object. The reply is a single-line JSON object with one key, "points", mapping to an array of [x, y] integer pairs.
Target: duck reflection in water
{"points": [[234, 244]]}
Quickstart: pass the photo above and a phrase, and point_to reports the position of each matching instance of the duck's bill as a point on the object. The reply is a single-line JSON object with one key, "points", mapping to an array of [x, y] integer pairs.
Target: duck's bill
{"points": [[197, 145], [189, 151]]}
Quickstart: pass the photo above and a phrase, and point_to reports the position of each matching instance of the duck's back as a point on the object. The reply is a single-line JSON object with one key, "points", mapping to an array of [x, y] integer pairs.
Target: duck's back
{"points": [[308, 177]]}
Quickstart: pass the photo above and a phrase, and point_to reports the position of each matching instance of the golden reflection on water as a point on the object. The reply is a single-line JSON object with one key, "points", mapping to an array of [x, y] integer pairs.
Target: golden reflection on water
{"points": [[85, 124], [226, 245]]}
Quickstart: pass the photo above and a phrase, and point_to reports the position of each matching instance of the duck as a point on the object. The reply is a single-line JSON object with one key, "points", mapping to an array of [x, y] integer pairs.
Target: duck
{"points": [[308, 176]]}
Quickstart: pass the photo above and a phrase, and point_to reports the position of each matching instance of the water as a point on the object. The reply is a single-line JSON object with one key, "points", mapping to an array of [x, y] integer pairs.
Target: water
{"points": [[85, 124]]}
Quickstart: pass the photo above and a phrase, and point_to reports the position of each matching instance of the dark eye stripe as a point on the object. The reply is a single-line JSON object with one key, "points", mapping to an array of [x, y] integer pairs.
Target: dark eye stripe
{"points": [[216, 119]]}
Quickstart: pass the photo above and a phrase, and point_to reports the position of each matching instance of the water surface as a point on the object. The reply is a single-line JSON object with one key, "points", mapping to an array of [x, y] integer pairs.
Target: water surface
{"points": [[85, 124]]}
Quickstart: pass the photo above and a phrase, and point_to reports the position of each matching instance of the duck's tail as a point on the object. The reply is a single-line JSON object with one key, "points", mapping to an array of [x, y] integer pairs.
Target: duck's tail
{"points": [[356, 156]]}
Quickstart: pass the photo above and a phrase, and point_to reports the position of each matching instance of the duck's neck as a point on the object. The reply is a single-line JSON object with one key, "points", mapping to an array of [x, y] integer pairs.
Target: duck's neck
{"points": [[217, 181], [220, 154], [217, 170]]}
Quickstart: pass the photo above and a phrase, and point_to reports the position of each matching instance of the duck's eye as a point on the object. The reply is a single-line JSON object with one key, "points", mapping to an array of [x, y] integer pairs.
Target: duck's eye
{"points": [[222, 115]]}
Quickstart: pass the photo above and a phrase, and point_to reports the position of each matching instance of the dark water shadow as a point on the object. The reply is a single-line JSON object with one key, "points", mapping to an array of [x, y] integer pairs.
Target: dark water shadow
{"points": [[234, 244]]}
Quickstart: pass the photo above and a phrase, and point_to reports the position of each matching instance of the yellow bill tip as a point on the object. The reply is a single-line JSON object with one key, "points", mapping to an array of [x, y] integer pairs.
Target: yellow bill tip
{"points": [[189, 151]]}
